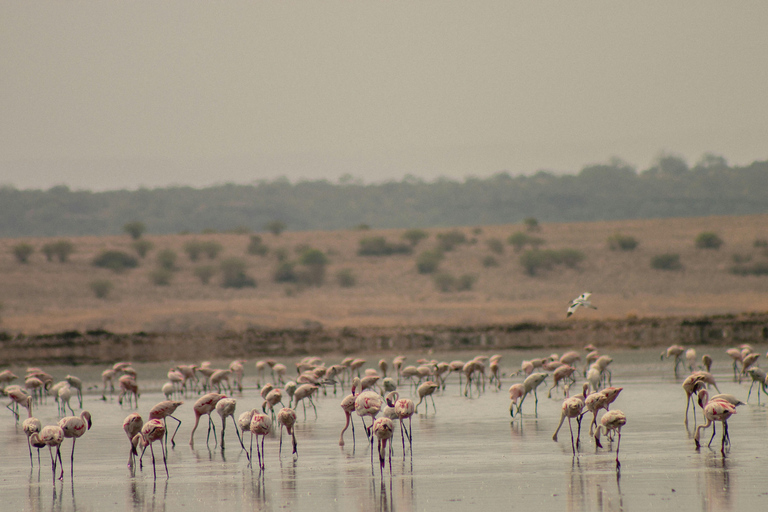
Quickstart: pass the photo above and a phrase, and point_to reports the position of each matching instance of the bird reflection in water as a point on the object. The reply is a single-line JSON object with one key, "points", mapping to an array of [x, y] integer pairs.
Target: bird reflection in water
{"points": [[717, 485], [583, 486]]}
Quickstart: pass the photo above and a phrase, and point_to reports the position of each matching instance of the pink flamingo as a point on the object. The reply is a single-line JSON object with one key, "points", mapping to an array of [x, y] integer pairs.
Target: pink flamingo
{"points": [[382, 429], [128, 387], [261, 425], [714, 410], [368, 403], [132, 426], [287, 418], [302, 392], [515, 392], [30, 426], [611, 421], [226, 407], [50, 436], [163, 410], [426, 390], [153, 430], [205, 406], [74, 427], [348, 406], [18, 398], [405, 408], [572, 408], [561, 373]]}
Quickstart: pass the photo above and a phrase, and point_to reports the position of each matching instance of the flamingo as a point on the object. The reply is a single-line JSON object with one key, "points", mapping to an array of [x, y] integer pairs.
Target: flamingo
{"points": [[561, 373], [675, 351], [572, 408], [706, 361], [714, 410], [132, 426], [611, 421], [426, 390], [163, 410], [690, 358], [18, 398], [530, 384], [735, 354], [50, 436], [226, 407], [128, 387], [273, 398], [287, 418], [691, 385], [74, 427], [244, 425], [581, 300], [515, 392], [348, 406], [261, 425], [405, 408], [205, 406], [302, 392], [107, 377], [382, 429], [31, 426], [64, 395], [153, 430], [368, 403], [76, 383]]}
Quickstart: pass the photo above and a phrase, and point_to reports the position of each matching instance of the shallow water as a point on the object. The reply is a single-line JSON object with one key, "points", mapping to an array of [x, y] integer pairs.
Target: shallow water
{"points": [[467, 454]]}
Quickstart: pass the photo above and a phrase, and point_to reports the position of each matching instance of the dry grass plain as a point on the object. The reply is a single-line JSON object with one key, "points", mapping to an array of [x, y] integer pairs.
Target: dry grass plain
{"points": [[44, 297]]}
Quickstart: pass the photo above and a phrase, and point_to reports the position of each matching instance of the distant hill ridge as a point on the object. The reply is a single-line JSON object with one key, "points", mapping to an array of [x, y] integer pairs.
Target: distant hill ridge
{"points": [[613, 191]]}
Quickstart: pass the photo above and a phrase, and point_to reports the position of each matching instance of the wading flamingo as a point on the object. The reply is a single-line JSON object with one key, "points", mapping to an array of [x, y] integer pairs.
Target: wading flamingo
{"points": [[404, 409], [31, 426], [427, 389], [611, 421], [50, 436], [572, 408], [530, 383], [163, 410], [714, 410], [226, 407], [132, 426], [74, 427], [261, 425], [368, 403], [382, 429], [287, 418], [205, 406], [153, 430]]}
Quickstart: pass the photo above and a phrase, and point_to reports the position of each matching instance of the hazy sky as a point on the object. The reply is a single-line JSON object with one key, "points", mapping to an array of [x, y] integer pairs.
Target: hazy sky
{"points": [[103, 95]]}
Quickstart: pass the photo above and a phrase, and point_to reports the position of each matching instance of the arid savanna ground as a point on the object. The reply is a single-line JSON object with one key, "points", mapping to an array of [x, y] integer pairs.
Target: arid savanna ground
{"points": [[42, 296]]}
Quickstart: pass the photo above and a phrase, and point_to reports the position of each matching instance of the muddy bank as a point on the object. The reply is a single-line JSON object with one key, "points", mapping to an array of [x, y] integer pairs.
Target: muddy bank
{"points": [[96, 347]]}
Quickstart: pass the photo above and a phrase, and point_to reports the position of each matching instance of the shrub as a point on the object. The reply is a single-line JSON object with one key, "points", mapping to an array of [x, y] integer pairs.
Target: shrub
{"points": [[22, 252], [519, 240], [741, 258], [428, 261], [490, 261], [759, 268], [281, 253], [211, 248], [379, 246], [234, 274], [531, 224], [619, 242], [534, 260], [193, 248], [569, 257], [760, 243], [346, 278], [285, 272], [101, 287], [204, 273], [135, 229], [142, 247], [708, 240], [495, 245], [275, 227], [256, 246], [167, 259], [314, 261], [447, 241], [116, 261], [444, 282], [668, 261], [61, 249], [363, 227], [414, 236], [466, 282], [161, 276]]}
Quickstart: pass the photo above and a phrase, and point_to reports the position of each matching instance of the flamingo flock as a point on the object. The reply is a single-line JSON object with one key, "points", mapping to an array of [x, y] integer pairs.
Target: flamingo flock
{"points": [[387, 393]]}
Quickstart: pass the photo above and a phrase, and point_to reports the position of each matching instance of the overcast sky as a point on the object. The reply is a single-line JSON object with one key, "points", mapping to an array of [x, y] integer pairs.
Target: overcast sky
{"points": [[104, 95]]}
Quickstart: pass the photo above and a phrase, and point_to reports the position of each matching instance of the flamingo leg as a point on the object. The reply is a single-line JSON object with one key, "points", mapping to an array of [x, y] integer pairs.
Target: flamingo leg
{"points": [[72, 459], [165, 462], [173, 443], [31, 462], [713, 434], [58, 455], [237, 431], [433, 403], [570, 427], [295, 445], [152, 451], [618, 445], [280, 450], [263, 455]]}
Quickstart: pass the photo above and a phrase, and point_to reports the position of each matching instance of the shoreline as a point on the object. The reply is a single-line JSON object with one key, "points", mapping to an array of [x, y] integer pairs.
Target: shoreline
{"points": [[103, 347]]}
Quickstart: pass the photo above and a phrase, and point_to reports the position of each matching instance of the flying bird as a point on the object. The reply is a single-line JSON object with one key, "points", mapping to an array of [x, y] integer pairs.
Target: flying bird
{"points": [[581, 300]]}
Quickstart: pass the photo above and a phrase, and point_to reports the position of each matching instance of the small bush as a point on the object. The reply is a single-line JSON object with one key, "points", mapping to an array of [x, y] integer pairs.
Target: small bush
{"points": [[116, 261], [22, 252], [531, 224], [519, 240], [314, 262], [346, 278], [281, 253], [536, 260], [161, 276], [167, 259], [204, 273], [428, 261], [741, 258], [490, 261], [444, 282], [449, 240], [668, 261], [414, 236], [495, 245], [619, 242], [234, 274], [285, 272], [759, 268], [760, 243], [257, 247], [61, 249], [142, 247], [708, 240], [569, 257], [275, 227], [212, 249], [466, 282], [193, 248], [101, 287], [379, 246], [135, 229]]}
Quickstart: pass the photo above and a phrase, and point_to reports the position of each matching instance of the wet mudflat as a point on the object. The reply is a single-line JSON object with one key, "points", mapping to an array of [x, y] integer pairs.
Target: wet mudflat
{"points": [[467, 454]]}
